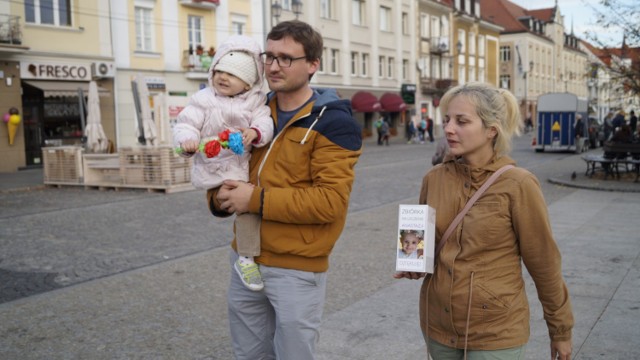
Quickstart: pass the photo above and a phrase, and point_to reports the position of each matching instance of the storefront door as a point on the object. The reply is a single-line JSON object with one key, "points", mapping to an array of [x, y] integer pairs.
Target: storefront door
{"points": [[33, 134]]}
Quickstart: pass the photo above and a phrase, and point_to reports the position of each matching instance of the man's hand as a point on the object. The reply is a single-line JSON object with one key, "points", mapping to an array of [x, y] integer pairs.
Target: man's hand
{"points": [[234, 196], [409, 275], [561, 350]]}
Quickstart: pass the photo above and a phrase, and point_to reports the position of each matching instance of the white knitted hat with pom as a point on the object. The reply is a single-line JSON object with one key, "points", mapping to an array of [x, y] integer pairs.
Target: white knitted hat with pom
{"points": [[240, 64]]}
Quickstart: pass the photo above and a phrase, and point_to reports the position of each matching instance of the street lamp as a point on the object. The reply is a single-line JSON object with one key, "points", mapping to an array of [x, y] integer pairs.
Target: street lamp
{"points": [[276, 10], [526, 75], [454, 56], [296, 7]]}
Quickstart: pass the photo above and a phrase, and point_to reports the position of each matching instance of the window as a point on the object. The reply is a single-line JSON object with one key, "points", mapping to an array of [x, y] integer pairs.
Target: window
{"points": [[48, 12], [385, 18], [390, 65], [505, 53], [463, 40], [381, 62], [364, 69], [505, 81], [323, 60], [335, 56], [357, 12], [195, 31], [238, 24], [481, 46], [354, 63], [435, 67], [435, 26], [325, 9], [423, 64], [405, 23], [472, 73], [472, 43], [481, 74], [461, 74], [424, 25], [405, 69], [144, 35], [286, 4]]}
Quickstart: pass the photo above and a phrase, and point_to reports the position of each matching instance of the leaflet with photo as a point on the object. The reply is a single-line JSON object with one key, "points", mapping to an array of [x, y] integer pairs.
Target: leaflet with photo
{"points": [[415, 243]]}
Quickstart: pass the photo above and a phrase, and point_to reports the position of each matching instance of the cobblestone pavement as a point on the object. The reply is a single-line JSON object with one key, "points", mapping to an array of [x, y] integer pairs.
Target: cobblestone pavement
{"points": [[130, 274]]}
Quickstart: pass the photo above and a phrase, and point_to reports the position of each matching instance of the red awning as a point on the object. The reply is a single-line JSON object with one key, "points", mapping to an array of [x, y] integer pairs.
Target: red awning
{"points": [[392, 103], [364, 101]]}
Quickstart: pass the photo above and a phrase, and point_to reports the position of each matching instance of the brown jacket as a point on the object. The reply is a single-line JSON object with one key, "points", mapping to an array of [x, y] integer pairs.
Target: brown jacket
{"points": [[303, 182], [481, 264]]}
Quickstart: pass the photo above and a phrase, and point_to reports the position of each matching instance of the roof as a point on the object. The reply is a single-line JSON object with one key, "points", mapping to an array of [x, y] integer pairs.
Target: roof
{"points": [[507, 14]]}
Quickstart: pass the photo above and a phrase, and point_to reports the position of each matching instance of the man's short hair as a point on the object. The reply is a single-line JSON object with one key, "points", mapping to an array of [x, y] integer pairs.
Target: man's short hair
{"points": [[301, 33]]}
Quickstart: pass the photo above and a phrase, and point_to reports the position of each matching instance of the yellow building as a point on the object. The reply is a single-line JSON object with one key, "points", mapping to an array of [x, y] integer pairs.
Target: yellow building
{"points": [[46, 56]]}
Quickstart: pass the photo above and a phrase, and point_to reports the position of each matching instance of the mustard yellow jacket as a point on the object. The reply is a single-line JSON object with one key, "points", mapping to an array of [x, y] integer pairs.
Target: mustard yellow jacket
{"points": [[303, 182], [478, 279]]}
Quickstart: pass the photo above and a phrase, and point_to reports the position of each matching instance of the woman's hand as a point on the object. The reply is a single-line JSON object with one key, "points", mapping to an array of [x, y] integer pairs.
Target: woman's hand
{"points": [[561, 350], [409, 275]]}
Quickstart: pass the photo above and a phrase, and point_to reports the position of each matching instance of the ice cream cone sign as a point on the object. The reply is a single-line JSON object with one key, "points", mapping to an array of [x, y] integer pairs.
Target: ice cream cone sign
{"points": [[12, 124]]}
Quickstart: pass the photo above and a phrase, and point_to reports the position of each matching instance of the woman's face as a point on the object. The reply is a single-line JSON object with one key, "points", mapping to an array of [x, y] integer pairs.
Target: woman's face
{"points": [[410, 243], [466, 135]]}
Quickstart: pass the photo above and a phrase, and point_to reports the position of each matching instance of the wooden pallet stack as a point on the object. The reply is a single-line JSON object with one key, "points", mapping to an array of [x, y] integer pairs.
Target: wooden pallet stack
{"points": [[62, 165], [145, 167]]}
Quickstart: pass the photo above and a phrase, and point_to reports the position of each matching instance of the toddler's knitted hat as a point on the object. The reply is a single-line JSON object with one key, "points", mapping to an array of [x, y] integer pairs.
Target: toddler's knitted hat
{"points": [[240, 64]]}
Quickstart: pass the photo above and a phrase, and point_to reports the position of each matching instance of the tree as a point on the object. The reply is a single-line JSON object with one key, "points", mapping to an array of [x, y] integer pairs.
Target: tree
{"points": [[623, 61]]}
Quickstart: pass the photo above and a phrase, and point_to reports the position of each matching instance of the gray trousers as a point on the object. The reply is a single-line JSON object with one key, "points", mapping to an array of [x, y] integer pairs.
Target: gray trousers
{"points": [[280, 322], [248, 234]]}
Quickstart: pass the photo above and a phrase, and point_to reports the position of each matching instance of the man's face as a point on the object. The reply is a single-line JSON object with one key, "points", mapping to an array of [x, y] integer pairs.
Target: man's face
{"points": [[288, 79]]}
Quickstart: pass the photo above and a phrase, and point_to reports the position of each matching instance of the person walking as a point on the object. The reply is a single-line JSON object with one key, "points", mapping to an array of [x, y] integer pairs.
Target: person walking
{"points": [[300, 186], [633, 121], [579, 134], [430, 128], [475, 305]]}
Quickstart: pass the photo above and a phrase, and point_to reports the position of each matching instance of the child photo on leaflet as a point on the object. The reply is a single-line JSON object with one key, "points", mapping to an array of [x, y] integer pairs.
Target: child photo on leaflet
{"points": [[232, 107], [411, 244]]}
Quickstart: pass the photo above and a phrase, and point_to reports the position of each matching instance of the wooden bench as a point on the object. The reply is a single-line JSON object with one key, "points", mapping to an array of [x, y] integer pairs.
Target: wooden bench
{"points": [[623, 154]]}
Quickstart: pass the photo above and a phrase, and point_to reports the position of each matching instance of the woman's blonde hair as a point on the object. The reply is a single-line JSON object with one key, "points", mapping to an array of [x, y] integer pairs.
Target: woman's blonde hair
{"points": [[497, 108]]}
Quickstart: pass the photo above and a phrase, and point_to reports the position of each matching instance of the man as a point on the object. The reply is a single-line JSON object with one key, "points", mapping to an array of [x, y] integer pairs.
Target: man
{"points": [[633, 121], [579, 133], [300, 186]]}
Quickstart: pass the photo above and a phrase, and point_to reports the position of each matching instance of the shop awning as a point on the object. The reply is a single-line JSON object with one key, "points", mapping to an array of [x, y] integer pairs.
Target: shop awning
{"points": [[364, 101], [64, 88], [392, 103]]}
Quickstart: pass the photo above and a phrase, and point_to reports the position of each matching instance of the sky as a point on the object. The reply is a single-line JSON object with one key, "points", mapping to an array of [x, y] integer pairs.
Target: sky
{"points": [[581, 14]]}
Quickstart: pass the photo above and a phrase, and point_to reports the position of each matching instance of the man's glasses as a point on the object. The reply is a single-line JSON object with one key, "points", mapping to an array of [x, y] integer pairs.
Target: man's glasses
{"points": [[283, 61]]}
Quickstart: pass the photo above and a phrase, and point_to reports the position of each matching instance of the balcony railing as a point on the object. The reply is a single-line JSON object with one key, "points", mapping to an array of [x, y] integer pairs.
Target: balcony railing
{"points": [[202, 4], [439, 44], [10, 32]]}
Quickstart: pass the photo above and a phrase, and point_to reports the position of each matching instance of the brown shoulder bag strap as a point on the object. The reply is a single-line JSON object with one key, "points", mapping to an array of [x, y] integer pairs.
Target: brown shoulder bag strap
{"points": [[468, 206]]}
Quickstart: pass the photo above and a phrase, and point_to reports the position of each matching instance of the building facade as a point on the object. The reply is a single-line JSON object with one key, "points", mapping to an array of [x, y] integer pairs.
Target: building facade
{"points": [[48, 56]]}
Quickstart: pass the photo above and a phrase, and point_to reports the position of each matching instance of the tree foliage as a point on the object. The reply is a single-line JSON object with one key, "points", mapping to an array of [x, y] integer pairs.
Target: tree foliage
{"points": [[624, 59]]}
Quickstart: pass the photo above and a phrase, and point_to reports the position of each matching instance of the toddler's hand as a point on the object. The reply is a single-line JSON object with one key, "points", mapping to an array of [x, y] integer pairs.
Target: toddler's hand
{"points": [[249, 136], [190, 146]]}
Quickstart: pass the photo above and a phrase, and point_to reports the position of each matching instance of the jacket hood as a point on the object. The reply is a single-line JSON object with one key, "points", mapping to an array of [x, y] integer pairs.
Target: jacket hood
{"points": [[325, 97], [239, 43]]}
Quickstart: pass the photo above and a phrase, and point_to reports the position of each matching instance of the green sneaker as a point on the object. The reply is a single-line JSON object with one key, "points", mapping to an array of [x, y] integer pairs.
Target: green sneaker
{"points": [[250, 275]]}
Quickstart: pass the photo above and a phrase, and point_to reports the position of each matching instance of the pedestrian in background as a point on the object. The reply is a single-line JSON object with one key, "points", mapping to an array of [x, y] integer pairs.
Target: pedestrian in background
{"points": [[633, 121], [303, 205], [430, 128], [475, 303], [579, 133]]}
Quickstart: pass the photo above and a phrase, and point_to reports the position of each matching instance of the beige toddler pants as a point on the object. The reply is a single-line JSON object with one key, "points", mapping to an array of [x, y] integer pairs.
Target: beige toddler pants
{"points": [[248, 234]]}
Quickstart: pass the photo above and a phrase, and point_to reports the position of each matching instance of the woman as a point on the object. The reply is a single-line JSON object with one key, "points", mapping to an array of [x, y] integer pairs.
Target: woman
{"points": [[474, 305]]}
